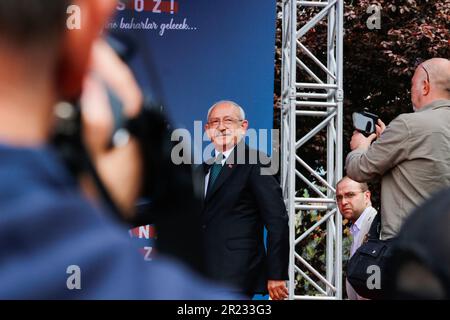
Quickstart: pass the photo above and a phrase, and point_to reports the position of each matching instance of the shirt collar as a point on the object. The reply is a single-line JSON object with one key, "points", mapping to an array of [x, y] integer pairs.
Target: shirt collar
{"points": [[358, 224], [435, 105], [226, 154]]}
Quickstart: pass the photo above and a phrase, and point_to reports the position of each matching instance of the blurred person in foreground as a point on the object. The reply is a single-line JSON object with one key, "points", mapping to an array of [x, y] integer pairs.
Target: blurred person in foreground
{"points": [[420, 265], [353, 200], [412, 154], [47, 223]]}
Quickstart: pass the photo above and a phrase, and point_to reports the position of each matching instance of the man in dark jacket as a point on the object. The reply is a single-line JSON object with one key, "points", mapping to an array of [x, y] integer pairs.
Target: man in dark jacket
{"points": [[239, 201]]}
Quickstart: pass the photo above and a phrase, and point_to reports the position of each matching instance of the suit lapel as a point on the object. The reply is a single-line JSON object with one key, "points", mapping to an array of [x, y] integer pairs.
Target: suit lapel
{"points": [[227, 169], [366, 224], [204, 171]]}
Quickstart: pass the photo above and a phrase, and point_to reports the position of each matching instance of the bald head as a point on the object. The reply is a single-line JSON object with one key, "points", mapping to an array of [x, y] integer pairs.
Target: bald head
{"points": [[439, 71], [240, 111], [431, 82]]}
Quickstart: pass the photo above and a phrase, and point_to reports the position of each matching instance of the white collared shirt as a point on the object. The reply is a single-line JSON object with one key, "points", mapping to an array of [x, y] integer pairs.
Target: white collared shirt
{"points": [[225, 154], [358, 236], [355, 231]]}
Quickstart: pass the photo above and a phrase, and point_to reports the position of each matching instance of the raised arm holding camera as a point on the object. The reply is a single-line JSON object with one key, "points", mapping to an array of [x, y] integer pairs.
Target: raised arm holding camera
{"points": [[411, 156]]}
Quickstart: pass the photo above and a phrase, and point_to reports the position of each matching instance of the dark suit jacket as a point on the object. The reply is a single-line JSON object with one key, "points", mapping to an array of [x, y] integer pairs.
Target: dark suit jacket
{"points": [[234, 213]]}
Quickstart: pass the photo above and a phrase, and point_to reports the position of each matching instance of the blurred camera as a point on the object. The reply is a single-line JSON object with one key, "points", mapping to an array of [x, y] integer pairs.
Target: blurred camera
{"points": [[167, 199]]}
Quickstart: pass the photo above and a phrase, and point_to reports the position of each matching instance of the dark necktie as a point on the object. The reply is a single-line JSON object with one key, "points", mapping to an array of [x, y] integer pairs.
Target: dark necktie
{"points": [[215, 170]]}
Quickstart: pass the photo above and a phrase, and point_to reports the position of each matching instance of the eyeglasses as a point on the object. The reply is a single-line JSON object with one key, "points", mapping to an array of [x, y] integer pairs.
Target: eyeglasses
{"points": [[419, 62], [227, 122], [428, 76], [348, 195]]}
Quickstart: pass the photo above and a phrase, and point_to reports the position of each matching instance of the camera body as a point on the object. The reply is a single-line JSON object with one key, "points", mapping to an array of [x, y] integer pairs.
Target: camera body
{"points": [[365, 122]]}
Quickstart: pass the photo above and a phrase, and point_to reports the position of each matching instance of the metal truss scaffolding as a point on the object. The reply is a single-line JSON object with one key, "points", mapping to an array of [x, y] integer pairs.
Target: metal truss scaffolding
{"points": [[316, 96]]}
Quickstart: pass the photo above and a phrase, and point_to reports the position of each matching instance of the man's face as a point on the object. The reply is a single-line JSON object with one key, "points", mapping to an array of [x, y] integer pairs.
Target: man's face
{"points": [[225, 126], [351, 200]]}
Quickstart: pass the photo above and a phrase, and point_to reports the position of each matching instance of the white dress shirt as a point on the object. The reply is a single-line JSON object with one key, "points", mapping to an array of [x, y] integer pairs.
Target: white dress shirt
{"points": [[358, 231], [355, 231]]}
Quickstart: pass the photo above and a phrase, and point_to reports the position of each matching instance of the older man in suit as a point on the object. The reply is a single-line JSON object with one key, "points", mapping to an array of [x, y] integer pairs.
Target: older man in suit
{"points": [[353, 200], [239, 200]]}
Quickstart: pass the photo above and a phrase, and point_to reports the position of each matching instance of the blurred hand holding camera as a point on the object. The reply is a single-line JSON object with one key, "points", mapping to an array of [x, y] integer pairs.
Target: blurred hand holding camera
{"points": [[120, 167]]}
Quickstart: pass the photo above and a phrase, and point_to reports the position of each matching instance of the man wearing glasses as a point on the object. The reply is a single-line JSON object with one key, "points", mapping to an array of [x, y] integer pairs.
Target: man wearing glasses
{"points": [[353, 201], [412, 154], [238, 203]]}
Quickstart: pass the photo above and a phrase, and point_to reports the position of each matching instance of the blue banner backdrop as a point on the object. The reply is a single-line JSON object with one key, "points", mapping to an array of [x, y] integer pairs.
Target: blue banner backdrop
{"points": [[203, 51]]}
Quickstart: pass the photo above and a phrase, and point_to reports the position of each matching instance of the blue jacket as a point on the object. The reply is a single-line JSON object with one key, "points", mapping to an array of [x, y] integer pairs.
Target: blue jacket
{"points": [[46, 225]]}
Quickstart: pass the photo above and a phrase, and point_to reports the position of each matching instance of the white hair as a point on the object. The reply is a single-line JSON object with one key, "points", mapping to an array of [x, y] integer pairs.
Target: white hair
{"points": [[241, 110]]}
